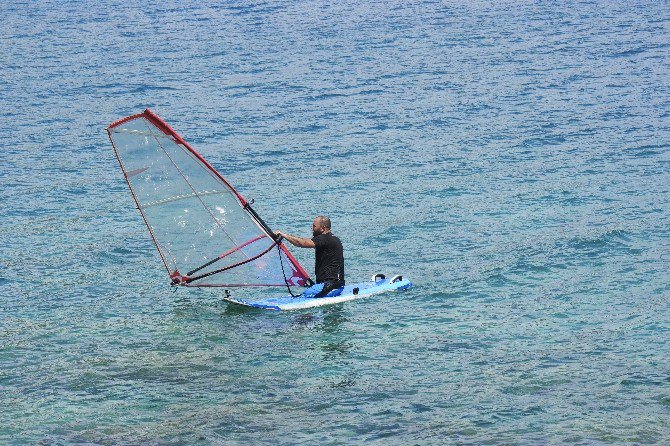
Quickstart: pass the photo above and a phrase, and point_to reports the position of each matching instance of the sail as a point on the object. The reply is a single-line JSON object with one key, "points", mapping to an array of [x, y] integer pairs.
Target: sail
{"points": [[206, 233]]}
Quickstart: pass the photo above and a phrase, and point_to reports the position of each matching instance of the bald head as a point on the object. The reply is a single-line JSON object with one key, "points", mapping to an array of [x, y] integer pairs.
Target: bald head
{"points": [[323, 221], [321, 225]]}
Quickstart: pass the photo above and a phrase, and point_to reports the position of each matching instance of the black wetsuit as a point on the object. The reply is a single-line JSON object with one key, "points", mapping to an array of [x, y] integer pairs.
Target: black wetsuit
{"points": [[329, 265]]}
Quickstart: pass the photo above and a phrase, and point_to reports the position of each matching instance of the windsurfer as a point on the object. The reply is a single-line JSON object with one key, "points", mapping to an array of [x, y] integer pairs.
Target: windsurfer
{"points": [[329, 263]]}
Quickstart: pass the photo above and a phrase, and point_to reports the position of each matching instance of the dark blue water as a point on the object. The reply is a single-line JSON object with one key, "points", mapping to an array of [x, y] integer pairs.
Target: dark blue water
{"points": [[512, 159]]}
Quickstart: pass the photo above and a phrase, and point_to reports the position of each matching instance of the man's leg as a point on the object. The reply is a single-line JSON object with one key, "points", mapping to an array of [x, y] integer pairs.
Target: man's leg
{"points": [[312, 291], [336, 286]]}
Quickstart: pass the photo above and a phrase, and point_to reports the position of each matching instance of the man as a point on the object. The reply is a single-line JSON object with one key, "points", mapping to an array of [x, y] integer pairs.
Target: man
{"points": [[329, 264]]}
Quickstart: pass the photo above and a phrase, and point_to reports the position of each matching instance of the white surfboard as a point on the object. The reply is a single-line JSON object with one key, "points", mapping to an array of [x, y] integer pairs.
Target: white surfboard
{"points": [[379, 284]]}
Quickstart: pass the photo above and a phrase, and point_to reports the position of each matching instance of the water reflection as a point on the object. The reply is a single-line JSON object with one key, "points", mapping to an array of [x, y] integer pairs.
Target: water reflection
{"points": [[326, 320]]}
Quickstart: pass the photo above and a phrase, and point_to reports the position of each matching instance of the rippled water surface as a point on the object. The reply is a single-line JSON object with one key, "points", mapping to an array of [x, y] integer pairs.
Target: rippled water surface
{"points": [[511, 158]]}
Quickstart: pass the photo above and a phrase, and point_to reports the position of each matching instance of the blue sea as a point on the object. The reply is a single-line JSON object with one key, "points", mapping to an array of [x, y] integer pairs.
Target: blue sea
{"points": [[511, 158]]}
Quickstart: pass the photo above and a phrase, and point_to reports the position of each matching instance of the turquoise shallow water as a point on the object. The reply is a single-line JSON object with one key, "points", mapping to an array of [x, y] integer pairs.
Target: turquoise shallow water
{"points": [[512, 159]]}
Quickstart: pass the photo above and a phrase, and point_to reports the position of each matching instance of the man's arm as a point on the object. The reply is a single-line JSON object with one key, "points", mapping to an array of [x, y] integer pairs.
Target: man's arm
{"points": [[300, 242]]}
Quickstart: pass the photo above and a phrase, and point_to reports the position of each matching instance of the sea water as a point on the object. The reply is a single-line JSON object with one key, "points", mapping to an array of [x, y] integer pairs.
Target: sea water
{"points": [[511, 158]]}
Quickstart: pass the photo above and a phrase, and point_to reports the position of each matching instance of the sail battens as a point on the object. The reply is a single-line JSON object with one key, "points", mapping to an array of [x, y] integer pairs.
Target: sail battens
{"points": [[142, 132], [180, 197]]}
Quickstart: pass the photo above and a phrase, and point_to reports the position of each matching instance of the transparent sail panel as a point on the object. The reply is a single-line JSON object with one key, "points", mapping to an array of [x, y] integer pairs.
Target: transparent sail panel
{"points": [[197, 220]]}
